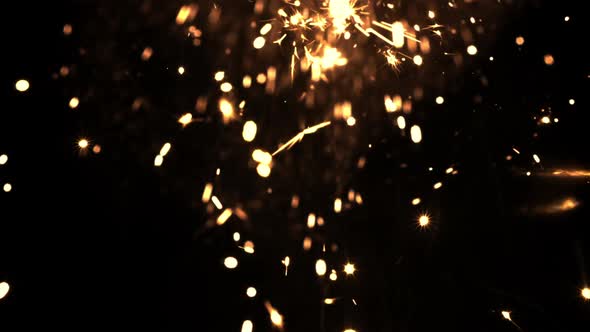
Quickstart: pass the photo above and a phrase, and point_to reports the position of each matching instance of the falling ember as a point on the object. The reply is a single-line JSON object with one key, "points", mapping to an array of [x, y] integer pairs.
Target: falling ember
{"points": [[251, 292], [536, 158], [471, 50], [249, 131], [398, 34], [216, 202], [3, 159], [186, 13], [259, 42], [83, 143], [320, 267], [416, 134], [262, 157], [424, 220], [572, 102], [416, 201], [286, 262], [4, 288], [226, 87], [417, 60], [247, 326], [306, 243], [181, 70], [207, 193], [349, 330], [275, 316], [158, 161], [449, 170], [147, 53], [219, 76], [519, 40], [337, 205], [265, 29], [437, 185], [440, 100], [349, 269], [263, 170], [311, 220], [224, 216], [22, 85], [333, 275], [585, 293], [165, 149], [548, 59], [185, 119], [506, 315], [401, 122], [236, 236], [227, 109], [230, 262], [300, 136], [67, 29], [249, 247], [74, 102], [329, 300], [7, 187]]}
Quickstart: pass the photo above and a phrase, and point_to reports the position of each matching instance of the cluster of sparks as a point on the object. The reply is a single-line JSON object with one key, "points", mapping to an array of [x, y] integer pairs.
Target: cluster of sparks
{"points": [[320, 37]]}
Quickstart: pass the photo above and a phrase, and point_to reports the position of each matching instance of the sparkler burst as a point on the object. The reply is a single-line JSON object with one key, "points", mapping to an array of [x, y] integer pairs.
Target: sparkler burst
{"points": [[320, 151]]}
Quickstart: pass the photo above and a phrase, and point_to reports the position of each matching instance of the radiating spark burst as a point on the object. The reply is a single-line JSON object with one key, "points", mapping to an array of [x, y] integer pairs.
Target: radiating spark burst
{"points": [[585, 293], [275, 317], [342, 13], [349, 268], [424, 220], [297, 138]]}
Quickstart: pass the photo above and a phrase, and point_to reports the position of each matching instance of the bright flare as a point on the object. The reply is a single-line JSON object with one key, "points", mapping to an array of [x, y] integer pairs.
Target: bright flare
{"points": [[349, 268], [320, 267]]}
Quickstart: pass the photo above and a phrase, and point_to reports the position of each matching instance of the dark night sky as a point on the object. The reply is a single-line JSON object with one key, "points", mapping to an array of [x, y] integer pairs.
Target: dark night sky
{"points": [[104, 241]]}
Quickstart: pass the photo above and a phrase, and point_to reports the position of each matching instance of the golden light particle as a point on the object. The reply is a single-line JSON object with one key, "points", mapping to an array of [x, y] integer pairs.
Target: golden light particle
{"points": [[424, 220], [3, 159], [311, 220], [83, 143], [519, 40], [64, 71], [247, 326], [320, 267], [158, 161], [586, 293], [545, 120], [431, 14], [307, 243], [217, 202], [506, 315], [259, 42], [207, 193], [185, 119], [22, 85], [349, 268], [251, 292], [224, 216], [333, 275], [96, 149], [471, 50], [230, 262], [236, 236], [262, 157], [401, 122], [548, 59], [249, 247], [416, 134], [418, 60], [416, 201], [536, 158], [437, 185], [74, 102], [247, 81], [265, 29], [181, 70], [7, 187], [351, 121], [572, 102], [249, 131], [261, 78], [263, 170], [275, 317], [67, 30], [449, 170], [226, 108], [226, 87], [165, 149], [349, 330], [440, 100], [567, 18], [4, 288], [219, 76], [147, 53], [337, 205], [186, 13], [329, 301]]}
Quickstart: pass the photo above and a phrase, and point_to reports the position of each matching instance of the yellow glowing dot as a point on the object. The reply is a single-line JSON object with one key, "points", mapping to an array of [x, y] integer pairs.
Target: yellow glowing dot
{"points": [[242, 104], [349, 268], [4, 288], [418, 60], [83, 143], [67, 30], [545, 119], [96, 149], [275, 316], [416, 201], [181, 70], [491, 58], [548, 59], [424, 220], [247, 326], [349, 330], [320, 267], [224, 216], [398, 35], [185, 119], [219, 76], [431, 14], [247, 81], [572, 102], [440, 100], [207, 193], [74, 102], [7, 187], [437, 185], [536, 158], [249, 247], [519, 40], [236, 236], [263, 170], [311, 220], [227, 109], [217, 202], [265, 29], [230, 262], [3, 159], [567, 18], [251, 291], [506, 315], [261, 78], [586, 293], [416, 134], [165, 149], [22, 85], [147, 53], [329, 301], [556, 120], [158, 161], [351, 121], [306, 243], [471, 50], [337, 205], [259, 42], [262, 157], [226, 87], [333, 275], [401, 122], [528, 173], [249, 131], [449, 170]]}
